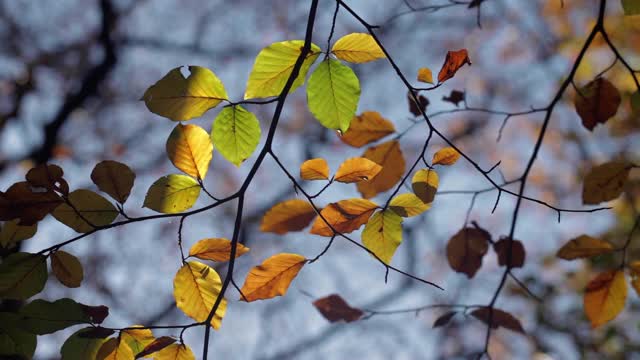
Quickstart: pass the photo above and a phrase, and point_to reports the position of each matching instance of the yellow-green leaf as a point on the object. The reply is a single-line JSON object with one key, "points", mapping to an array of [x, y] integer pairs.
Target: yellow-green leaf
{"points": [[584, 246], [333, 92], [196, 288], [408, 205], [22, 275], [79, 347], [216, 249], [86, 211], [605, 182], [425, 75], [604, 297], [272, 278], [190, 149], [357, 48], [357, 169], [445, 156], [631, 7], [172, 194], [344, 216], [12, 233], [425, 185], [289, 215], [367, 128], [67, 269], [314, 169], [178, 99], [273, 67], [235, 133], [383, 234], [175, 352], [114, 178], [137, 339]]}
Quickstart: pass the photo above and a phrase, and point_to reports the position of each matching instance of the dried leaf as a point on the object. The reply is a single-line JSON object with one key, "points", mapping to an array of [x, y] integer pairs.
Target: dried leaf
{"points": [[584, 246], [518, 253], [499, 319], [334, 308], [455, 97], [415, 108], [452, 63], [286, 216], [597, 102], [48, 177], [20, 202], [466, 249], [272, 278]]}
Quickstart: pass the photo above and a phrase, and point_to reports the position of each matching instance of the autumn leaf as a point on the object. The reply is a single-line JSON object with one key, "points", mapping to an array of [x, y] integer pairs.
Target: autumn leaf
{"points": [[43, 317], [175, 352], [334, 308], [155, 346], [417, 108], [584, 246], [272, 278], [425, 76], [383, 234], [67, 269], [445, 156], [236, 134], [22, 275], [425, 185], [466, 249], [366, 128], [389, 156], [196, 287], [12, 233], [49, 177], [597, 102], [357, 48], [634, 268], [357, 169], [452, 63], [455, 97], [604, 297], [518, 253], [137, 339], [286, 216], [190, 150], [114, 349], [344, 216], [22, 203], [314, 169], [172, 194], [79, 346], [408, 205], [216, 249], [444, 319], [114, 178], [631, 7], [85, 211], [605, 182], [499, 318]]}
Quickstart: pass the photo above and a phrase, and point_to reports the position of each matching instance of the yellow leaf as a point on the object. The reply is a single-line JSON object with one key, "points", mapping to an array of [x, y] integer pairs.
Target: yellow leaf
{"points": [[367, 128], [217, 249], [272, 278], [172, 194], [87, 211], [445, 156], [356, 170], [137, 339], [114, 349], [605, 297], [425, 185], [289, 215], [344, 216], [114, 178], [12, 233], [408, 205], [383, 234], [605, 182], [273, 67], [196, 288], [425, 75], [314, 169], [389, 156], [357, 48], [67, 269], [175, 352], [178, 99], [584, 246], [190, 149], [155, 346]]}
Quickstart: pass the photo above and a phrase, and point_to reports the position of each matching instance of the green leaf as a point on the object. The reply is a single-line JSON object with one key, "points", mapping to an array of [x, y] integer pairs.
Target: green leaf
{"points": [[383, 234], [273, 67], [87, 211], [22, 275], [179, 99], [15, 341], [43, 317], [78, 347], [631, 7], [635, 100], [333, 92], [172, 194], [235, 133], [12, 233]]}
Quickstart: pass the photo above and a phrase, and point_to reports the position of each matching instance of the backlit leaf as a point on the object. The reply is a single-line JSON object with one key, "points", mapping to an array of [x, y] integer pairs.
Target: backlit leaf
{"points": [[499, 318], [289, 215], [43, 317], [273, 67], [29, 207], [408, 205], [175, 352], [518, 253], [216, 249], [631, 7], [272, 278], [22, 275], [196, 288], [389, 156], [344, 216], [190, 149], [584, 246], [114, 178], [445, 156], [137, 339], [78, 347], [314, 169], [156, 345], [356, 170], [333, 92], [383, 234], [466, 249], [367, 128], [49, 177], [605, 182], [334, 308], [12, 233], [597, 102], [235, 133], [172, 194], [357, 48], [114, 349], [87, 210], [15, 342], [425, 75], [178, 99], [425, 185], [452, 63], [67, 268], [604, 297]]}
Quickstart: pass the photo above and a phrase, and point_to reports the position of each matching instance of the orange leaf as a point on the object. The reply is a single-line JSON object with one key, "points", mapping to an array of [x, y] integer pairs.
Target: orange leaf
{"points": [[314, 169], [356, 170], [605, 297], [289, 215], [425, 76], [597, 102], [445, 156], [217, 249], [344, 216], [367, 128], [272, 278], [584, 246], [452, 63], [334, 308], [389, 156]]}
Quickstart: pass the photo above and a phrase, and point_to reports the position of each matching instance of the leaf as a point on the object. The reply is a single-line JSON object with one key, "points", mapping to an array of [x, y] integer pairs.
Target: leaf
{"points": [[49, 177], [78, 347], [114, 349], [500, 318], [314, 169], [425, 185], [408, 205], [634, 268], [273, 67], [356, 170], [597, 102], [466, 249], [635, 102], [357, 48], [604, 297], [190, 149], [42, 317], [605, 182], [216, 249], [67, 269], [236, 134], [172, 194], [425, 76], [15, 342], [454, 97], [631, 7], [97, 333], [445, 156], [156, 345], [367, 128], [334, 308], [85, 211], [286, 216], [137, 339], [333, 92], [22, 275], [452, 63], [114, 178], [196, 288], [584, 246], [389, 156], [179, 99], [383, 234], [20, 202], [97, 314], [175, 352], [272, 278], [12, 233], [444, 319], [344, 216], [518, 253], [415, 108]]}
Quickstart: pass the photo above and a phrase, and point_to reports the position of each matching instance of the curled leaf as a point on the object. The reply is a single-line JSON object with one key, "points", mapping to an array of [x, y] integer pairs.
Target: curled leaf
{"points": [[452, 63]]}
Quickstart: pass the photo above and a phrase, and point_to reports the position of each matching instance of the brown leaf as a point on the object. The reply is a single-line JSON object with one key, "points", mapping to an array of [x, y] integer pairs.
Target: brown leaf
{"points": [[367, 128], [272, 278], [415, 108], [344, 216], [157, 345], [466, 249], [454, 97], [444, 319], [452, 63], [389, 156], [289, 215], [499, 318], [67, 269], [48, 177], [20, 202], [584, 246], [597, 102], [96, 313], [114, 178], [335, 308], [605, 182], [518, 254]]}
